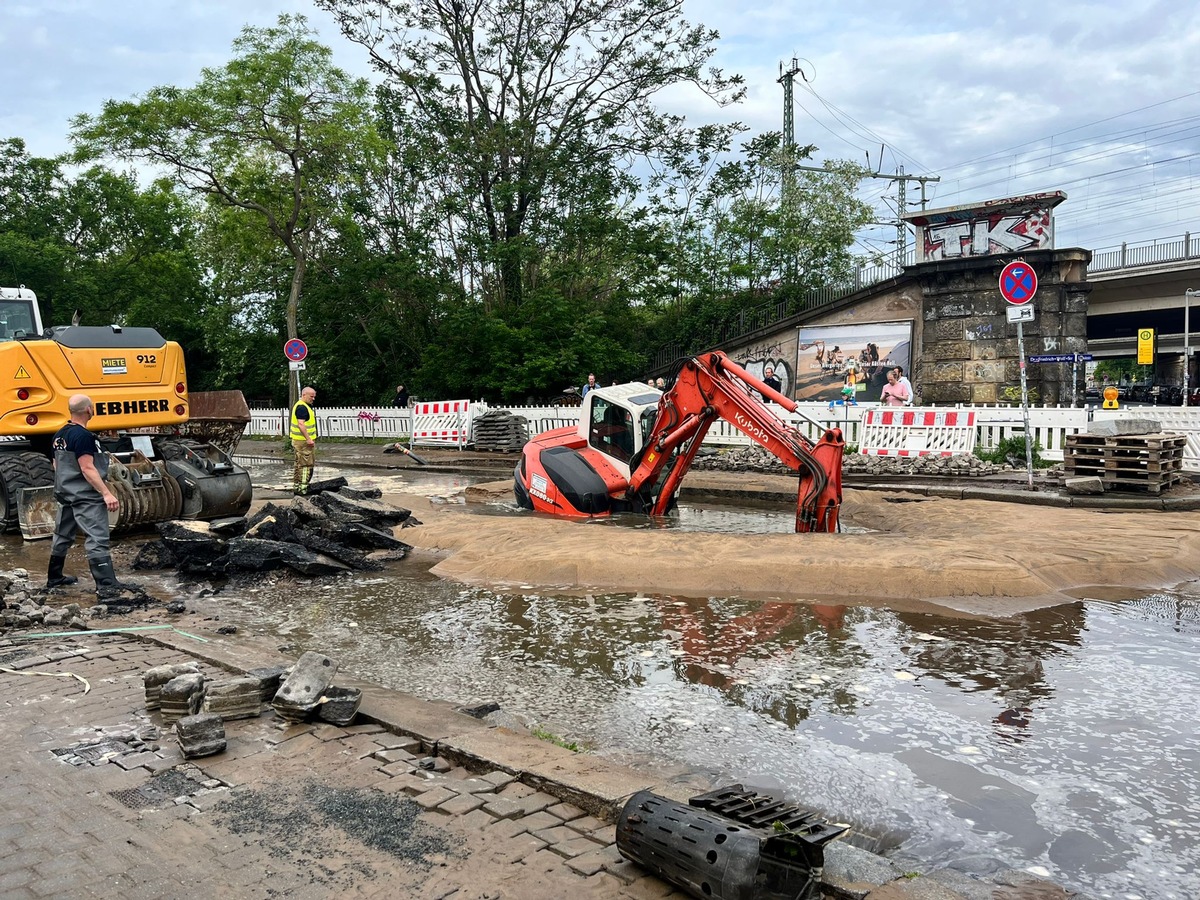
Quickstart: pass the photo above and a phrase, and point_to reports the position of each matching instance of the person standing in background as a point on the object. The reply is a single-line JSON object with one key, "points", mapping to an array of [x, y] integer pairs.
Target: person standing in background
{"points": [[770, 380], [899, 370], [591, 384], [304, 440], [400, 401]]}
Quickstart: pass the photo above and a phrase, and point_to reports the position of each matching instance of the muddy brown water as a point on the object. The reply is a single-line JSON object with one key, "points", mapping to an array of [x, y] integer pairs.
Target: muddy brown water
{"points": [[1060, 739]]}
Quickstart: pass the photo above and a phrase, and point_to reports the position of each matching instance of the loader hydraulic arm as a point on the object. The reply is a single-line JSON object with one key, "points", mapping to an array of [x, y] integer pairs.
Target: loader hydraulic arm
{"points": [[712, 386]]}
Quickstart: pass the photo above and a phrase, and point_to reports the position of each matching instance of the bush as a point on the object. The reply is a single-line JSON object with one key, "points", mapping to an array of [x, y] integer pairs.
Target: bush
{"points": [[1012, 450]]}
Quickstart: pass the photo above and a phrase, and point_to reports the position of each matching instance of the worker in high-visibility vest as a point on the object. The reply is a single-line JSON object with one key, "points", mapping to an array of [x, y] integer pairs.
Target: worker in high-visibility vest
{"points": [[304, 440]]}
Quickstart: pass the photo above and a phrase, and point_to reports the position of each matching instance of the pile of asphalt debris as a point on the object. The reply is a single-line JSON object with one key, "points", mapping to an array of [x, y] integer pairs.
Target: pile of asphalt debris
{"points": [[331, 530], [21, 605], [758, 459]]}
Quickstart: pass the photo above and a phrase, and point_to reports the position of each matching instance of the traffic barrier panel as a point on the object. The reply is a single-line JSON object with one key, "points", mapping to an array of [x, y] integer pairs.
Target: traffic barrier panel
{"points": [[442, 423], [917, 432]]}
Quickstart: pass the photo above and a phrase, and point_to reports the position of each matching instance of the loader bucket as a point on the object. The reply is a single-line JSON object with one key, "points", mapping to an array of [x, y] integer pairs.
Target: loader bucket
{"points": [[36, 511], [215, 417]]}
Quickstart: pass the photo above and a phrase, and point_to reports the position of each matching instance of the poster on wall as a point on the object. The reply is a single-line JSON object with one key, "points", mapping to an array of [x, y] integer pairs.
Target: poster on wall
{"points": [[832, 356]]}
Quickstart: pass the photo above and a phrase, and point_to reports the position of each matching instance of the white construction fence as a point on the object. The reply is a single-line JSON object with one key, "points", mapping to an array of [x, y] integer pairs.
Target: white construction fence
{"points": [[989, 424]]}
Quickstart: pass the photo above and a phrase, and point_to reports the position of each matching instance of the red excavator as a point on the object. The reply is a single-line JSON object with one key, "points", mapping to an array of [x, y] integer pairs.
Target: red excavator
{"points": [[634, 444]]}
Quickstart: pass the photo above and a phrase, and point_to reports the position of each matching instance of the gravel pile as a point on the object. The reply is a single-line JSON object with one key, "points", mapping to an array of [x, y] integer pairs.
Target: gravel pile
{"points": [[308, 825], [757, 459]]}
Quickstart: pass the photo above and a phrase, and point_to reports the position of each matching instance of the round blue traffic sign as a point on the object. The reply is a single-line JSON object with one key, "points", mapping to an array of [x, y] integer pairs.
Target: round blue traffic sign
{"points": [[295, 349], [1018, 283]]}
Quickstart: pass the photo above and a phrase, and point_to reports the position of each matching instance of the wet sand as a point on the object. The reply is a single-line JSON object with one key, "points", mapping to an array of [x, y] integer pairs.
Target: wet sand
{"points": [[978, 557]]}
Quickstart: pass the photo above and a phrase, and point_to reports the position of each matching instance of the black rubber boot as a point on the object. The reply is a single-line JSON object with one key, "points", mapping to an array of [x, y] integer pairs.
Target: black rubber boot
{"points": [[54, 574], [106, 579]]}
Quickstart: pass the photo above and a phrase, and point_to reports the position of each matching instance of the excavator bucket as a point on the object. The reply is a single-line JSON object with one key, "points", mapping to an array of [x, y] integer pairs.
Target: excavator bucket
{"points": [[36, 511]]}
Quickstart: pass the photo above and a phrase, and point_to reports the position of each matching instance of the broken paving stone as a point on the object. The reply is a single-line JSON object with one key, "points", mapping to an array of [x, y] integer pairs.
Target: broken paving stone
{"points": [[320, 543], [234, 698], [154, 679], [272, 523], [269, 678], [302, 690], [176, 607], [227, 629], [434, 764], [191, 541], [155, 555], [317, 488], [480, 710], [200, 735], [181, 696], [352, 509], [357, 534], [339, 705], [308, 511], [228, 527]]}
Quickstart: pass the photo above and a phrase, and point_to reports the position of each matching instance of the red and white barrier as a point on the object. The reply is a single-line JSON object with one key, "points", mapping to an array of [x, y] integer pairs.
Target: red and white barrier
{"points": [[913, 431], [441, 423]]}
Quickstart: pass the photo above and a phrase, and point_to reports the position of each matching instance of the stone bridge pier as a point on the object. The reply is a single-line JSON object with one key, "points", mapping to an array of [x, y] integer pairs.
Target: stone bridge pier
{"points": [[967, 350]]}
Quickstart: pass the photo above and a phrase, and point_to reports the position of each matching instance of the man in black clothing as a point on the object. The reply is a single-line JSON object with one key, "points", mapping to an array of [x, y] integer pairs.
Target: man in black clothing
{"points": [[401, 399], [85, 501], [770, 380]]}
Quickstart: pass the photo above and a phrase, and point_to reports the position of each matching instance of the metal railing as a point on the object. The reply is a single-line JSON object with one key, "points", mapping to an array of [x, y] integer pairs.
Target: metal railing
{"points": [[1176, 248], [771, 312]]}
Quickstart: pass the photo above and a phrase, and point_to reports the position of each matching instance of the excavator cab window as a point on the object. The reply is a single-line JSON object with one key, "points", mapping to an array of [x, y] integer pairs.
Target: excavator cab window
{"points": [[611, 429]]}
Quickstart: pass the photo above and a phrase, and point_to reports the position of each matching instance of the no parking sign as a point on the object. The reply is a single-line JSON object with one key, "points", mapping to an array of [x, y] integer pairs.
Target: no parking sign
{"points": [[1018, 282]]}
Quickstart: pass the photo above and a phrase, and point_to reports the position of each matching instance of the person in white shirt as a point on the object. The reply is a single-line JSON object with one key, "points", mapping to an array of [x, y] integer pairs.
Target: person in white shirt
{"points": [[899, 370]]}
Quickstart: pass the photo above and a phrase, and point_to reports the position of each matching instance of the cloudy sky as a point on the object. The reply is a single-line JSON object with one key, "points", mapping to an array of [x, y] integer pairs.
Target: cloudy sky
{"points": [[1098, 99]]}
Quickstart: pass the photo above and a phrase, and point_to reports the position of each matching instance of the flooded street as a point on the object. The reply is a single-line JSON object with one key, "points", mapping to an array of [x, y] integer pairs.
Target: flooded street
{"points": [[1055, 740], [1062, 740]]}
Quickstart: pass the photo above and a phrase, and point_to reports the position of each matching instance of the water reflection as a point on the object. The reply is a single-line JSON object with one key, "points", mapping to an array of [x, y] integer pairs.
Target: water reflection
{"points": [[1056, 738], [1005, 658]]}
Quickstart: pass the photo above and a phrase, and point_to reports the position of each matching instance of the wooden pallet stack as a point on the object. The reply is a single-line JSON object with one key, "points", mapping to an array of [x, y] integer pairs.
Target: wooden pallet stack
{"points": [[1127, 462]]}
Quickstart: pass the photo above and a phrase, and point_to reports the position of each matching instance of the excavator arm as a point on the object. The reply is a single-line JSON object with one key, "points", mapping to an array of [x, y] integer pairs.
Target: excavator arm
{"points": [[710, 387]]}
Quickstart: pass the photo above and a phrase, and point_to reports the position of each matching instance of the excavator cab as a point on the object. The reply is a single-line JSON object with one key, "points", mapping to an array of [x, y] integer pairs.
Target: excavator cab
{"points": [[612, 430]]}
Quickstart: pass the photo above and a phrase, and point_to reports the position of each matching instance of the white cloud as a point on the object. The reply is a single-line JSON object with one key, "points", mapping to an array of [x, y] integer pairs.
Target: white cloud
{"points": [[996, 99]]}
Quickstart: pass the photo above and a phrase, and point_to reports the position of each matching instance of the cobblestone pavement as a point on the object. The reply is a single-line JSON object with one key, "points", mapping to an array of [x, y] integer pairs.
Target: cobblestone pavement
{"points": [[99, 802]]}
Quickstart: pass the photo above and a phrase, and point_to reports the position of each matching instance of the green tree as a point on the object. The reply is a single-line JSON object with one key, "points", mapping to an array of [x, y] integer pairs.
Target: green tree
{"points": [[98, 243], [511, 96], [278, 132]]}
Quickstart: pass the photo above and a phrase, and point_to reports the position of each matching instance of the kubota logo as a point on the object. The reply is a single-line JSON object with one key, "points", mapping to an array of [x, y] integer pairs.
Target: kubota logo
{"points": [[749, 427]]}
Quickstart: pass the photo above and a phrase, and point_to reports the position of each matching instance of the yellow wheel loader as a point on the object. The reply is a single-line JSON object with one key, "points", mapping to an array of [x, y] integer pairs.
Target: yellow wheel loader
{"points": [[170, 449]]}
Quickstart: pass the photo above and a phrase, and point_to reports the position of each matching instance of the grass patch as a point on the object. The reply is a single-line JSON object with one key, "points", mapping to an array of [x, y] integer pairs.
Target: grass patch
{"points": [[543, 734]]}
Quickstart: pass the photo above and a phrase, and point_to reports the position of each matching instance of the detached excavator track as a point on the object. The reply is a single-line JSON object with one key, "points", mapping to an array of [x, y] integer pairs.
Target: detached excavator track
{"points": [[17, 472]]}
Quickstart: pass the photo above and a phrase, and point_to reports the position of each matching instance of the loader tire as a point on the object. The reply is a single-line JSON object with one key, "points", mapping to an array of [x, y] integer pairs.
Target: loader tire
{"points": [[20, 470]]}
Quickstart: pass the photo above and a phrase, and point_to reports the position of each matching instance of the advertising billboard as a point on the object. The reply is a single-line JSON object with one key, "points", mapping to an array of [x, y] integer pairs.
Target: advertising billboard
{"points": [[830, 356]]}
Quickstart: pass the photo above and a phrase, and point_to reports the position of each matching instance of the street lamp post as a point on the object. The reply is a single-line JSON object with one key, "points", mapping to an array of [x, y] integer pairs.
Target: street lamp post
{"points": [[1187, 339]]}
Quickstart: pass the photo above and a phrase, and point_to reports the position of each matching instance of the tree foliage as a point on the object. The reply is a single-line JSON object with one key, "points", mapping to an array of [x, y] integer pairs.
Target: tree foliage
{"points": [[279, 131], [519, 102], [510, 209]]}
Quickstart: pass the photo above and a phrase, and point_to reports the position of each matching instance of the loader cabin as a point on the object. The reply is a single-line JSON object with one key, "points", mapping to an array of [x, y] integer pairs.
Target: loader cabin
{"points": [[617, 420], [19, 316]]}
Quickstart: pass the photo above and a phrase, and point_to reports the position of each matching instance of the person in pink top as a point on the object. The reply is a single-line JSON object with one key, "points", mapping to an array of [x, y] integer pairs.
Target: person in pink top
{"points": [[894, 393]]}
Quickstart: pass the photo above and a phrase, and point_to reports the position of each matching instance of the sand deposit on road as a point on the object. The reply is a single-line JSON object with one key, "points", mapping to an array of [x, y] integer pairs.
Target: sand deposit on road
{"points": [[977, 556]]}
